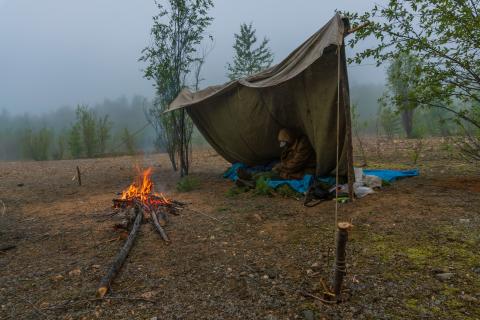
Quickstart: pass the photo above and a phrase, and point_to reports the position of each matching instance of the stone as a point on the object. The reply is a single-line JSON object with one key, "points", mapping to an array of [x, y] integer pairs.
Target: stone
{"points": [[270, 317], [308, 315], [469, 298], [148, 295], [58, 277], [444, 276], [75, 273]]}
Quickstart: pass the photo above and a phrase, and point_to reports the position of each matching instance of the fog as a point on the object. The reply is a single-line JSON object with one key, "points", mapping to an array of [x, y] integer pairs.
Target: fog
{"points": [[57, 52]]}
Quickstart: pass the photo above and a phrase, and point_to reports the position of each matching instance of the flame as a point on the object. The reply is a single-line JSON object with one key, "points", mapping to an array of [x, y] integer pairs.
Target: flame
{"points": [[142, 189]]}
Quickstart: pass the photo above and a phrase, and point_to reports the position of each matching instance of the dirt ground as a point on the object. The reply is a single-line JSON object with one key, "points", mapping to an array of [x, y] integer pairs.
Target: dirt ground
{"points": [[241, 256]]}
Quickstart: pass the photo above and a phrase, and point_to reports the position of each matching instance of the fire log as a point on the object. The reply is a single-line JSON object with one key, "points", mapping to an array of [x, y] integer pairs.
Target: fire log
{"points": [[121, 256], [157, 225]]}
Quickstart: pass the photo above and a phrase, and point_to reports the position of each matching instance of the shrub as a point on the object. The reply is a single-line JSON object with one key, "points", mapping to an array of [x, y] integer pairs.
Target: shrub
{"points": [[187, 184]]}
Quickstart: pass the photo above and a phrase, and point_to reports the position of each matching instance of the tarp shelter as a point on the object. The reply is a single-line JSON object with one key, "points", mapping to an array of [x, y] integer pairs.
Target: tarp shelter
{"points": [[241, 119]]}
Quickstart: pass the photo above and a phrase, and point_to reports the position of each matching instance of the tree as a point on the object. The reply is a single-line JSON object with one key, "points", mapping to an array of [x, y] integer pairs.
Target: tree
{"points": [[443, 35], [75, 141], [249, 60], [36, 145], [89, 135], [129, 141], [401, 76], [170, 59]]}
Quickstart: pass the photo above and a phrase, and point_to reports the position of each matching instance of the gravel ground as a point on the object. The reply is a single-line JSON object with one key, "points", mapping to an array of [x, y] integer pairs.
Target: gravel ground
{"points": [[412, 254]]}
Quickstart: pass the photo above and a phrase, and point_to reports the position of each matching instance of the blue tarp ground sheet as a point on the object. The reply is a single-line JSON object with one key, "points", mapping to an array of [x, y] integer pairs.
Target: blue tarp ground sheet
{"points": [[391, 175], [302, 185]]}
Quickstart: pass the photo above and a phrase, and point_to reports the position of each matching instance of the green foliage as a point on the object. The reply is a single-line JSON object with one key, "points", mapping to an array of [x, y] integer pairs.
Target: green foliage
{"points": [[249, 60], [388, 120], [171, 59], [129, 141], [262, 188], [103, 133], [443, 35], [59, 151], [235, 191], [402, 74], [357, 125], [89, 135], [36, 145], [187, 184], [287, 192], [75, 144]]}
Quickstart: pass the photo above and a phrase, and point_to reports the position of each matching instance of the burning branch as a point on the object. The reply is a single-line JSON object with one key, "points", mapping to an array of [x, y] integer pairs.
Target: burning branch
{"points": [[147, 204]]}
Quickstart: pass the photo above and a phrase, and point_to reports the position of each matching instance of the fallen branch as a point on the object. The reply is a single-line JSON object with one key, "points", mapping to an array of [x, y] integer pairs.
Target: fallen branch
{"points": [[121, 256], [204, 214], [4, 208], [157, 225], [307, 294], [7, 247]]}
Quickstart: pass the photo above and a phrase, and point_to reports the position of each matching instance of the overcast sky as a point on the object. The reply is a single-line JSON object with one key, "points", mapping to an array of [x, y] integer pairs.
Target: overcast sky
{"points": [[65, 52]]}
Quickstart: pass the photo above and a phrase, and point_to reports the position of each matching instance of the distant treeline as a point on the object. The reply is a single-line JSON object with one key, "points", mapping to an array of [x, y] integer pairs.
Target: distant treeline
{"points": [[112, 127], [372, 117], [108, 128]]}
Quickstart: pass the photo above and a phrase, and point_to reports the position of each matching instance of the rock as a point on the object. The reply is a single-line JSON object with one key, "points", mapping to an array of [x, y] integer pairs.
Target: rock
{"points": [[57, 277], [444, 276], [75, 273], [469, 298], [309, 271], [96, 266], [270, 317], [154, 318], [308, 315], [464, 220], [265, 277], [316, 266], [476, 269], [272, 274], [257, 217], [148, 295]]}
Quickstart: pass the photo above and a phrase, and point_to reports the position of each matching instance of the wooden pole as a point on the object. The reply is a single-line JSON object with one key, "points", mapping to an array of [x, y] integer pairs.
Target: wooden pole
{"points": [[79, 176], [340, 264], [348, 125], [121, 256]]}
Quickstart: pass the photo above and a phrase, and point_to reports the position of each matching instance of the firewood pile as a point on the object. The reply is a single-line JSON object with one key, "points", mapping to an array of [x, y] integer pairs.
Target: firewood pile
{"points": [[137, 204]]}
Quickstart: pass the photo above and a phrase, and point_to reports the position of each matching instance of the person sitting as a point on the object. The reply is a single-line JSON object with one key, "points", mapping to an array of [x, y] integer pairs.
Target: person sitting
{"points": [[297, 158]]}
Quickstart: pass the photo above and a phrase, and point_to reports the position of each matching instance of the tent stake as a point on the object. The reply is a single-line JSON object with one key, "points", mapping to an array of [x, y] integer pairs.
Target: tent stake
{"points": [[340, 264]]}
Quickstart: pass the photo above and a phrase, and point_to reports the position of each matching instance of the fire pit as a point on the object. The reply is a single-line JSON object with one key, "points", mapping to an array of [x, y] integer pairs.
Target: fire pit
{"points": [[146, 205]]}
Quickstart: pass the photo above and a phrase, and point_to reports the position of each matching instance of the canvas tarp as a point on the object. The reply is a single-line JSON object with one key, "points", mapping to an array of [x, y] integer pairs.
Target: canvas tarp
{"points": [[241, 119]]}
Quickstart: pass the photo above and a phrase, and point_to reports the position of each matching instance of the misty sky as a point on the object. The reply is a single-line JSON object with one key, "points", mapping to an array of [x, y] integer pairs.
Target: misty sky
{"points": [[60, 52]]}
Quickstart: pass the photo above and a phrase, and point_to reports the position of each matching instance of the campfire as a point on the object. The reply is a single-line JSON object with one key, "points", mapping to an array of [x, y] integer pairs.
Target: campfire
{"points": [[139, 202]]}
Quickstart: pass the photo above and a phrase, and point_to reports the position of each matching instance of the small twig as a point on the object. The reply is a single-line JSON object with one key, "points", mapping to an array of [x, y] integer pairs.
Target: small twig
{"points": [[204, 214], [33, 306], [307, 294], [69, 303], [4, 208]]}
